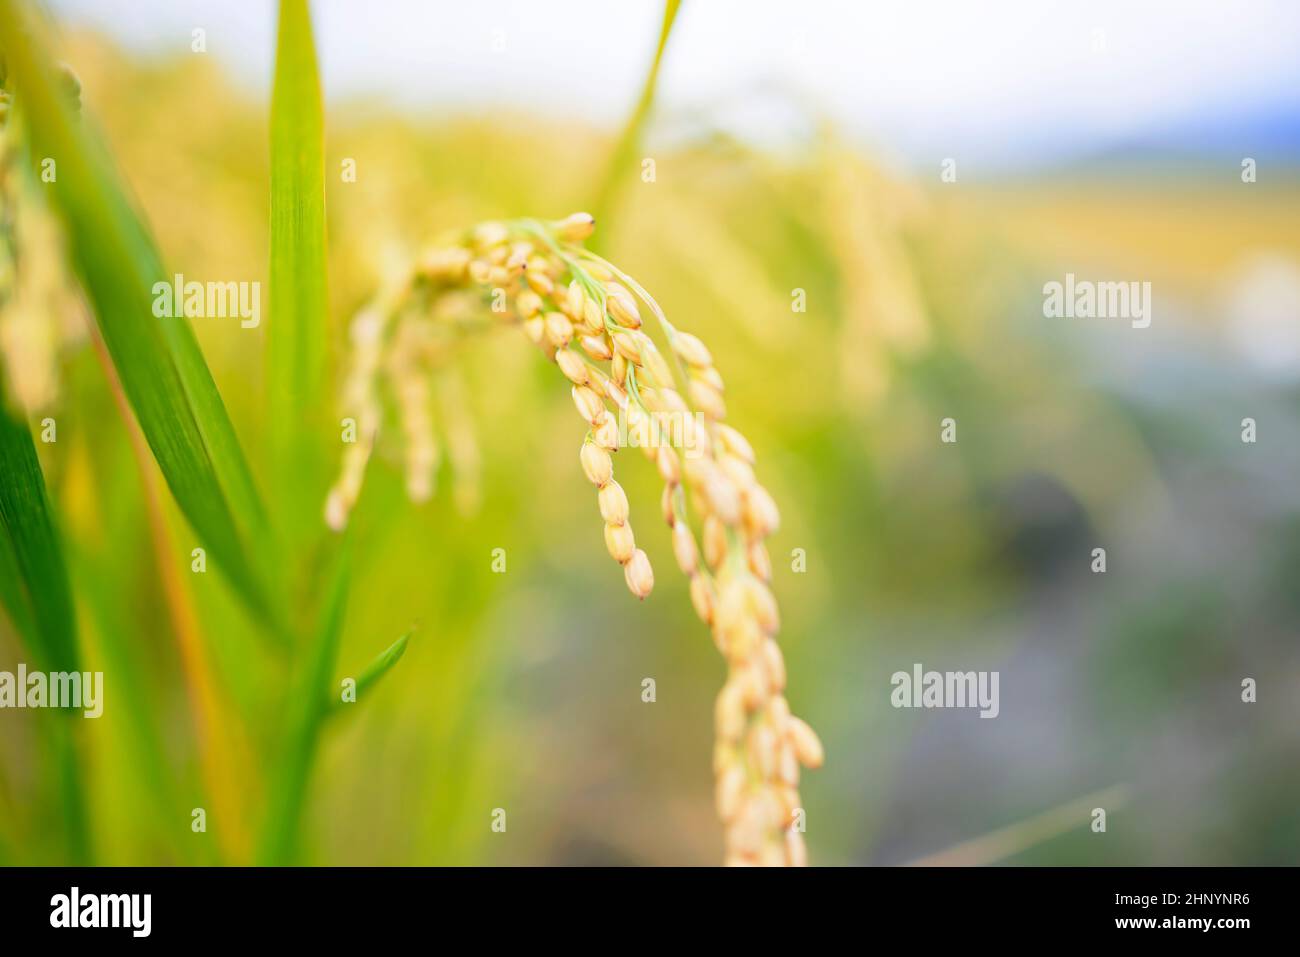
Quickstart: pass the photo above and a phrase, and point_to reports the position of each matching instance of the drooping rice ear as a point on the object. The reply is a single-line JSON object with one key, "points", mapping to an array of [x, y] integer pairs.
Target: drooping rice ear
{"points": [[624, 374]]}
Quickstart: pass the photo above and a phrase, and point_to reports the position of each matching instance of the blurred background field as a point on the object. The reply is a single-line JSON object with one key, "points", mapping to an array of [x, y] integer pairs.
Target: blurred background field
{"points": [[924, 301]]}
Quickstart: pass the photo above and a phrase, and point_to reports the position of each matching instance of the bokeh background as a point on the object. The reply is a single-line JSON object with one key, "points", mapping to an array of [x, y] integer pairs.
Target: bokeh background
{"points": [[796, 147]]}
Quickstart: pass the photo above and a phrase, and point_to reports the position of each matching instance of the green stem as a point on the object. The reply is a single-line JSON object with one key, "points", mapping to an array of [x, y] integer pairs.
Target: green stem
{"points": [[307, 708], [630, 138]]}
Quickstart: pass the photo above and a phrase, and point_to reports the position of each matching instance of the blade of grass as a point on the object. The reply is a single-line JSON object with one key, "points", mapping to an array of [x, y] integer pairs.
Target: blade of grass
{"points": [[39, 600], [296, 331], [162, 371], [307, 707], [377, 668], [12, 594], [219, 763], [630, 138], [38, 596]]}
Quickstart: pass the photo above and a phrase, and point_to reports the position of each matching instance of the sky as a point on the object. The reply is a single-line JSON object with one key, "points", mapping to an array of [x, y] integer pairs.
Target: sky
{"points": [[1002, 84]]}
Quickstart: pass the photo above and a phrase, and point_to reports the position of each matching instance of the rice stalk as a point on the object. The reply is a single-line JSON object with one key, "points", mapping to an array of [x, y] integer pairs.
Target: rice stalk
{"points": [[307, 708], [623, 155], [585, 315], [297, 320], [884, 318]]}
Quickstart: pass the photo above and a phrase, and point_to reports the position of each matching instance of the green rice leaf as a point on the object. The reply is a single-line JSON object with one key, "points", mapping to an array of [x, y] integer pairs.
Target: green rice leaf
{"points": [[34, 589], [158, 360], [33, 578], [296, 331], [373, 672]]}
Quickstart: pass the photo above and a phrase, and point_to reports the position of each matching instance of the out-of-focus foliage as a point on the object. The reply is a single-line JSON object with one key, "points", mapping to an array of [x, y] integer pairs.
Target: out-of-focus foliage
{"points": [[161, 369]]}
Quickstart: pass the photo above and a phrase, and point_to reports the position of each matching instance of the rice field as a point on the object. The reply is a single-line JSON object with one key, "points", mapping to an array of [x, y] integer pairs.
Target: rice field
{"points": [[363, 590]]}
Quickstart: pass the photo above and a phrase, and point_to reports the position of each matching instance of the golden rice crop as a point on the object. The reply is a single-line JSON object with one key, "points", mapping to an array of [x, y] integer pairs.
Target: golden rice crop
{"points": [[586, 316]]}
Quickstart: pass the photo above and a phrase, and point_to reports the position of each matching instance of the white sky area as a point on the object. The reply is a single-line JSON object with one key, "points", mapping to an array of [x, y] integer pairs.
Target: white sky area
{"points": [[1001, 83]]}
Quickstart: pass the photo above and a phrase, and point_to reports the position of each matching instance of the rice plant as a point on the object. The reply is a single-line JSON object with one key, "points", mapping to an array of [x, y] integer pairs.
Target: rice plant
{"points": [[280, 535], [162, 374], [583, 313]]}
